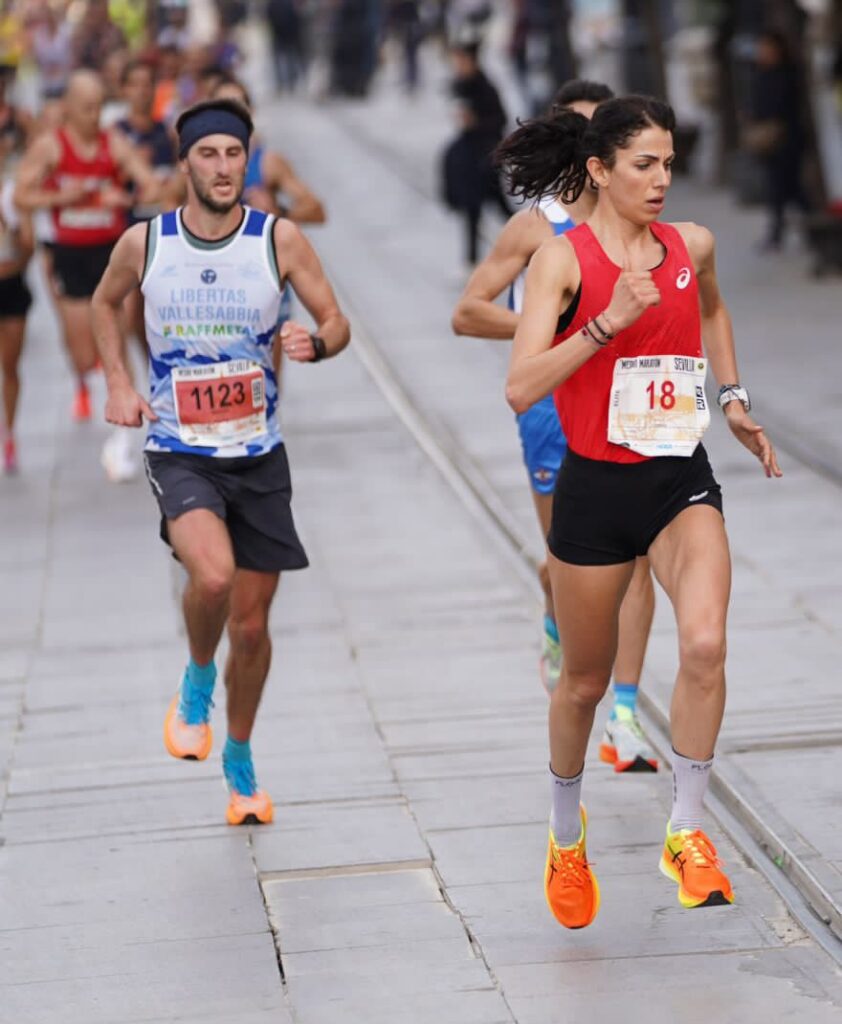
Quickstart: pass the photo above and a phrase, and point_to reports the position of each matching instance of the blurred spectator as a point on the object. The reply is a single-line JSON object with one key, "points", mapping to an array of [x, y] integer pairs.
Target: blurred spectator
{"points": [[776, 132], [286, 26], [114, 105], [11, 35], [96, 37], [52, 50], [354, 40], [469, 177], [207, 80], [166, 86], [15, 123], [406, 23], [172, 25]]}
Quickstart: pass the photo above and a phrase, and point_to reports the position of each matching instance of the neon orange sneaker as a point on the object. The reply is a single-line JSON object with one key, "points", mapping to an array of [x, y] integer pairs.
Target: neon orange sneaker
{"points": [[187, 730], [256, 809], [10, 457], [82, 404], [570, 886], [690, 859]]}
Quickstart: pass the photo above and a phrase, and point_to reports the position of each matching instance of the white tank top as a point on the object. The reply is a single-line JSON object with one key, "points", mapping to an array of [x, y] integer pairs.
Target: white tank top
{"points": [[212, 311], [560, 221]]}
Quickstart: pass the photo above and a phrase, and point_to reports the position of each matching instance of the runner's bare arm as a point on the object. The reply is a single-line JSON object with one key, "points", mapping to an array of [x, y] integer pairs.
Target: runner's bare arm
{"points": [[299, 264], [306, 207], [477, 314], [718, 340], [37, 164], [536, 368], [125, 406]]}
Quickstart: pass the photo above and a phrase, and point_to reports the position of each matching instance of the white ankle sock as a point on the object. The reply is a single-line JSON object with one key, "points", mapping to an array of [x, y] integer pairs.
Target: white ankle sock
{"points": [[689, 785], [565, 820]]}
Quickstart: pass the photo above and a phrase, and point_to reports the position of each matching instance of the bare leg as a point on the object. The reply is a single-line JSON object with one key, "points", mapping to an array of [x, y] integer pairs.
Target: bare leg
{"points": [[201, 541], [587, 606], [693, 564], [11, 346], [544, 508], [78, 334], [636, 613], [251, 648]]}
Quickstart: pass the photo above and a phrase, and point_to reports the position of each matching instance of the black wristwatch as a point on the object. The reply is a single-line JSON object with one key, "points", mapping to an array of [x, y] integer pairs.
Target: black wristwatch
{"points": [[319, 348]]}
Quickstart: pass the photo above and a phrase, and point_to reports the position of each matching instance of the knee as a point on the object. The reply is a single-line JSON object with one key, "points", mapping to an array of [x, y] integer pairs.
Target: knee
{"points": [[585, 689], [702, 653], [248, 635], [213, 584]]}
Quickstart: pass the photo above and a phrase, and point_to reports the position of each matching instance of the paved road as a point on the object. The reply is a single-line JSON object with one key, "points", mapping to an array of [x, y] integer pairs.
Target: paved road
{"points": [[403, 731]]}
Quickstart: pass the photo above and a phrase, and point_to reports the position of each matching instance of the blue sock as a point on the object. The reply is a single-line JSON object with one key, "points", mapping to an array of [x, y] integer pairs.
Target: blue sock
{"points": [[237, 766], [236, 752], [201, 677], [625, 696], [550, 628]]}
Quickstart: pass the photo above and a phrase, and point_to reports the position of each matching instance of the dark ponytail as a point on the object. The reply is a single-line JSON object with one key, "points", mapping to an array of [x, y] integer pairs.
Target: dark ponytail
{"points": [[548, 156]]}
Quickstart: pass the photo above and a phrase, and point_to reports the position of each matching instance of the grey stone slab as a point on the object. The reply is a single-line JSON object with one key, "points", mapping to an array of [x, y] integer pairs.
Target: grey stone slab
{"points": [[470, 1006], [224, 979], [333, 835], [756, 985], [378, 960], [152, 892]]}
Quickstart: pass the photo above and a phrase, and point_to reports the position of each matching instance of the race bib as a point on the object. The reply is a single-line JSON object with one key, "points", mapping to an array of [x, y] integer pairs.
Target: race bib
{"points": [[658, 404], [220, 404], [87, 218]]}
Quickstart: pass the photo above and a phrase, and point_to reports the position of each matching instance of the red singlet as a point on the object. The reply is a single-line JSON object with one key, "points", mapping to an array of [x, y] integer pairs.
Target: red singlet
{"points": [[671, 328], [87, 223]]}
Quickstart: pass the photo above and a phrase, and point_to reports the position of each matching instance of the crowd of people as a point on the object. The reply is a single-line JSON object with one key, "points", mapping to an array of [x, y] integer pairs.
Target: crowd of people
{"points": [[161, 217], [95, 153]]}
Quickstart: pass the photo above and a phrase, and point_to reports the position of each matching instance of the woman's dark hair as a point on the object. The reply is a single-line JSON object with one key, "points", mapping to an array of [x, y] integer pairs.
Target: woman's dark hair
{"points": [[580, 90], [549, 155]]}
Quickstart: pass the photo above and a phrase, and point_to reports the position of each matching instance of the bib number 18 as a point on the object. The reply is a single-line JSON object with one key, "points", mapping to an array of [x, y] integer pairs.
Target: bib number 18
{"points": [[666, 398]]}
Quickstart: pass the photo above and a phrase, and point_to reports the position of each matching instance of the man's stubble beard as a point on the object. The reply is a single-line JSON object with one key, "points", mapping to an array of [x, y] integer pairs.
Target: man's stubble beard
{"points": [[209, 203]]}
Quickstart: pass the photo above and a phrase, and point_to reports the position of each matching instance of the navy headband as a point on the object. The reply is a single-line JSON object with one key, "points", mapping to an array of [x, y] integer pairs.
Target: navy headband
{"points": [[211, 122]]}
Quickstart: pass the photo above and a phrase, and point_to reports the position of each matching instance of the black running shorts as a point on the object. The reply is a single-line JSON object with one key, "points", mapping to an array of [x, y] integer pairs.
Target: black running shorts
{"points": [[606, 513], [15, 297], [78, 268], [252, 495]]}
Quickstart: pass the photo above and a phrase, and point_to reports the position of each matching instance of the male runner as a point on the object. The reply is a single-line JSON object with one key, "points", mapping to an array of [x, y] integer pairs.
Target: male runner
{"points": [[212, 274], [544, 444], [79, 172]]}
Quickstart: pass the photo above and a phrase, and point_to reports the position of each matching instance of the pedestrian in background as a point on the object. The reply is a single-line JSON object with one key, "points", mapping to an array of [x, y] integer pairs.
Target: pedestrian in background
{"points": [[469, 177], [286, 27], [776, 133]]}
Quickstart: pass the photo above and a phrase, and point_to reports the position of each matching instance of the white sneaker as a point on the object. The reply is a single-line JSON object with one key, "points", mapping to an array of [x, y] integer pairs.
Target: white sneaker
{"points": [[625, 746], [117, 459]]}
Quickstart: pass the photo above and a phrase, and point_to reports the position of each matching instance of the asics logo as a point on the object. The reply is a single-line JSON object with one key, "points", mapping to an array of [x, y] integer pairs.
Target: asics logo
{"points": [[698, 497], [683, 279]]}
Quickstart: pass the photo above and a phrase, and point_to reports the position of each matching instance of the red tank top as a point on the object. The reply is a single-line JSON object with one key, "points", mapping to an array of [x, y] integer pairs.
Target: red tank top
{"points": [[87, 223], [671, 328]]}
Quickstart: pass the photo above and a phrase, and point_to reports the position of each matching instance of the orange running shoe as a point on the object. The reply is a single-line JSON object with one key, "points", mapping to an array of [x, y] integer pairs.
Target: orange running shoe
{"points": [[187, 730], [690, 859], [570, 886], [249, 810], [10, 457], [82, 404]]}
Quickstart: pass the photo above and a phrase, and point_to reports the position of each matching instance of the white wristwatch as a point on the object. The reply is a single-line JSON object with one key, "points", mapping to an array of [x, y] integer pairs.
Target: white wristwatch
{"points": [[734, 393]]}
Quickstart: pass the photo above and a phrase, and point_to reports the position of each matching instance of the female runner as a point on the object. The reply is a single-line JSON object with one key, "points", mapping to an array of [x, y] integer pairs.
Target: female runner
{"points": [[628, 378]]}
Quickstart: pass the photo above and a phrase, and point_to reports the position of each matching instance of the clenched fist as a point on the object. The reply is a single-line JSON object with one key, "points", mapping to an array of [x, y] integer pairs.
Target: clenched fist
{"points": [[634, 293]]}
